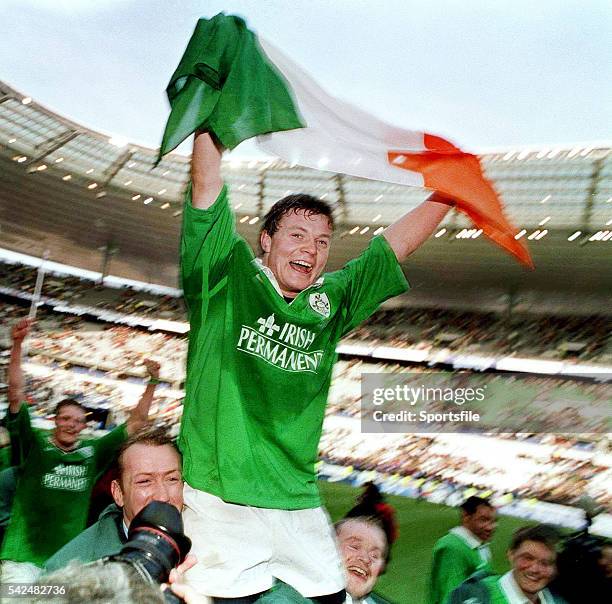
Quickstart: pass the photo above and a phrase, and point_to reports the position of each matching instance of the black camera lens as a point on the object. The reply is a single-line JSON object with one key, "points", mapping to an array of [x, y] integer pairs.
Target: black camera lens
{"points": [[156, 544]]}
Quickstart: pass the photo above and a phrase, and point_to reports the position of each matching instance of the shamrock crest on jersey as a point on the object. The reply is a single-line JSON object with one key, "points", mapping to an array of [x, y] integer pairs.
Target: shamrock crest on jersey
{"points": [[320, 303]]}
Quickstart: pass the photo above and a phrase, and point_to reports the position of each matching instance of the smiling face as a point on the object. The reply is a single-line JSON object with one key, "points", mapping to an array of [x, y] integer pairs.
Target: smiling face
{"points": [[363, 547], [69, 423], [148, 473], [297, 252], [533, 566]]}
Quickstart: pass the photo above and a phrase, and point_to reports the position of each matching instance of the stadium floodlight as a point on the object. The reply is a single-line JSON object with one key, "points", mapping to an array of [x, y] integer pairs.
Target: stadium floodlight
{"points": [[161, 191], [364, 230], [440, 233], [41, 167], [11, 141], [544, 221], [542, 234], [89, 171], [59, 160], [93, 185], [148, 200], [376, 218], [545, 199], [127, 183], [26, 100], [254, 220], [379, 230], [164, 206], [244, 219], [237, 206], [354, 230], [534, 235], [136, 197], [67, 177], [520, 234], [574, 236]]}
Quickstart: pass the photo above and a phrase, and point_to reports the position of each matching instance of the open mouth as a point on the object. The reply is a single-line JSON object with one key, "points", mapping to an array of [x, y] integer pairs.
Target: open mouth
{"points": [[358, 572], [301, 266]]}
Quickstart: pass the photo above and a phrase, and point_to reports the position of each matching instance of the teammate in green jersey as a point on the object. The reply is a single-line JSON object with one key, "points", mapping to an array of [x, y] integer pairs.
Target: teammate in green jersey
{"points": [[463, 550], [57, 470], [261, 352]]}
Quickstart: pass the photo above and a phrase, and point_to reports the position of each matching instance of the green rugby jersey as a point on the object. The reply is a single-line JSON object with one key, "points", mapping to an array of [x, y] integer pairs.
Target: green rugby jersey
{"points": [[258, 367], [453, 562], [54, 488]]}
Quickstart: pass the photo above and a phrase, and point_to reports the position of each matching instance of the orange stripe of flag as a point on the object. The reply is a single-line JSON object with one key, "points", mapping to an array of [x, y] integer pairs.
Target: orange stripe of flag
{"points": [[458, 175]]}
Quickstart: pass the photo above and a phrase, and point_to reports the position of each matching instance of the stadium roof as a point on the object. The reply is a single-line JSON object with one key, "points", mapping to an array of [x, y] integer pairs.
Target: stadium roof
{"points": [[79, 194]]}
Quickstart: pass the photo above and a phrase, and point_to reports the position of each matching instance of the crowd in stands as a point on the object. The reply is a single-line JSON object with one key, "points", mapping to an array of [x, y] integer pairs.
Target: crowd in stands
{"points": [[102, 366], [568, 338]]}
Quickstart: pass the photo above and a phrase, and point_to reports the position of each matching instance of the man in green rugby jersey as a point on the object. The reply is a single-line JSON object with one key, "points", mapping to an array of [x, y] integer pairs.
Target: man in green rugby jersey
{"points": [[261, 352]]}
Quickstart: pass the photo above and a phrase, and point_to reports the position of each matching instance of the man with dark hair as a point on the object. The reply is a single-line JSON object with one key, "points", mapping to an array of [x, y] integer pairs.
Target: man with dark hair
{"points": [[532, 554], [57, 471], [463, 550], [261, 352], [149, 467]]}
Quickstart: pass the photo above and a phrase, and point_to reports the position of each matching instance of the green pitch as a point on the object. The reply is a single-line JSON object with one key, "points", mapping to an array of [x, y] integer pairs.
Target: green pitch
{"points": [[420, 524]]}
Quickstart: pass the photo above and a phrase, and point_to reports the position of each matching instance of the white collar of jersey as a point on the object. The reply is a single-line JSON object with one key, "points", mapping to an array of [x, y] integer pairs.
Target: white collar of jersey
{"points": [[350, 600], [466, 536], [272, 277], [514, 594]]}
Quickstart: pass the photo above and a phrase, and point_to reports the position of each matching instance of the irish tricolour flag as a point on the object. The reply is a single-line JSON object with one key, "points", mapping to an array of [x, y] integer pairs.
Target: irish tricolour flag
{"points": [[238, 87]]}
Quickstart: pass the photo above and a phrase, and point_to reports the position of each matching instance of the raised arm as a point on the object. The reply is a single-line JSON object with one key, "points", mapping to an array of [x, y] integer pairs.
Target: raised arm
{"points": [[408, 233], [206, 178], [139, 415], [15, 372]]}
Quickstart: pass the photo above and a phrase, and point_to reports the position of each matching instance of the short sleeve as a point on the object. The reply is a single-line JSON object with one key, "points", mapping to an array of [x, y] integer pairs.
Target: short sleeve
{"points": [[372, 278], [23, 435], [106, 447]]}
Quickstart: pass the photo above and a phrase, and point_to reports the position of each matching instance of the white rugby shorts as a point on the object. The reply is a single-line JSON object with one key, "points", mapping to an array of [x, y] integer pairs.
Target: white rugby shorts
{"points": [[241, 550]]}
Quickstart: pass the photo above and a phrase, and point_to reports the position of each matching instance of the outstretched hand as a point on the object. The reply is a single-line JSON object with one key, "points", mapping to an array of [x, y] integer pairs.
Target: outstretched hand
{"points": [[177, 584], [21, 330]]}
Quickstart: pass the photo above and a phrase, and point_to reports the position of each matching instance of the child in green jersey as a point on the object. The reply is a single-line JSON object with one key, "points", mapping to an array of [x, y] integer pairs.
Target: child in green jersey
{"points": [[261, 352], [57, 470]]}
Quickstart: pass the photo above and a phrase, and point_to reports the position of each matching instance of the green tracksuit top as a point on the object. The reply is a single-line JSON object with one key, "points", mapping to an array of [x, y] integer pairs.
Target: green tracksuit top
{"points": [[258, 367]]}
